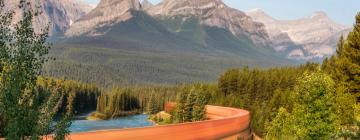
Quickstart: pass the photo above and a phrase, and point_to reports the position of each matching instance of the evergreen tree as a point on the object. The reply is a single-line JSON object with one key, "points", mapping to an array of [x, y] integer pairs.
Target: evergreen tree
{"points": [[153, 105], [228, 82], [180, 110], [199, 110], [340, 46], [348, 60], [189, 105], [344, 68], [1, 126]]}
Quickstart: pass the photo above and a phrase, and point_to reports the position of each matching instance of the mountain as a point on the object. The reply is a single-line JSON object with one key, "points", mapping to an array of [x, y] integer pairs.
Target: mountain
{"points": [[59, 13], [106, 13], [213, 13], [331, 41], [309, 33], [145, 4], [119, 42]]}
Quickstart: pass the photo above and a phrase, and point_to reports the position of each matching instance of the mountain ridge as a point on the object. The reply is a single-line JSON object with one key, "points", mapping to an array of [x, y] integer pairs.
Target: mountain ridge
{"points": [[214, 13], [309, 33], [106, 12], [61, 14]]}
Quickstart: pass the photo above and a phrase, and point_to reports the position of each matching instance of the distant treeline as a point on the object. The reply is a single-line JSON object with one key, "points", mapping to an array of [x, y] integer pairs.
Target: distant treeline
{"points": [[133, 100], [78, 97], [117, 103]]}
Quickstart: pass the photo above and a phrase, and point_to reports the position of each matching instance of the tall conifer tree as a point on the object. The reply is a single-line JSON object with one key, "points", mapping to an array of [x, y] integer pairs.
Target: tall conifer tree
{"points": [[347, 68]]}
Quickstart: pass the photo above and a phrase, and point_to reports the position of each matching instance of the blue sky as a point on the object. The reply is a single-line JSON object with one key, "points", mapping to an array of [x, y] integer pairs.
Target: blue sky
{"points": [[342, 11]]}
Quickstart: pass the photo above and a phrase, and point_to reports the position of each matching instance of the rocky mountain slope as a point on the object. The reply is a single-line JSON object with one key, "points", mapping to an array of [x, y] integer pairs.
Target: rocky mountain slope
{"points": [[122, 42], [213, 13], [145, 4], [59, 13], [310, 33], [107, 13]]}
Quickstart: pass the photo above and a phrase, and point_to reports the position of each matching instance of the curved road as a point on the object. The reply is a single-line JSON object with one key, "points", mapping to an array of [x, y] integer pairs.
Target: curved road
{"points": [[224, 123]]}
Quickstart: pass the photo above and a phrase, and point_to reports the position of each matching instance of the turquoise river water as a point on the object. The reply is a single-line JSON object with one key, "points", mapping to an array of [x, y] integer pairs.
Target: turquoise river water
{"points": [[119, 123]]}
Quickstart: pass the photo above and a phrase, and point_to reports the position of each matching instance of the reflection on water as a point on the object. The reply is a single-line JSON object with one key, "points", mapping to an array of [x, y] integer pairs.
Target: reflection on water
{"points": [[123, 122]]}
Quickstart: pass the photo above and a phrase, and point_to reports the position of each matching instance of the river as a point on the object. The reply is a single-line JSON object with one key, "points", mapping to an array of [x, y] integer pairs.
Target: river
{"points": [[123, 122]]}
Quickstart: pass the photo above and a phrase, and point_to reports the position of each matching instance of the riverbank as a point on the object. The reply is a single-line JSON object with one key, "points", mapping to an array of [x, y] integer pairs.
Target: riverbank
{"points": [[161, 118], [101, 116]]}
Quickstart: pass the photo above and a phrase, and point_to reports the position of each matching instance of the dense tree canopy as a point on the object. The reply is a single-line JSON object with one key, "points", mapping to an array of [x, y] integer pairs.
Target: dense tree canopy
{"points": [[78, 97], [314, 113], [117, 103], [344, 68], [26, 112], [345, 65], [190, 105]]}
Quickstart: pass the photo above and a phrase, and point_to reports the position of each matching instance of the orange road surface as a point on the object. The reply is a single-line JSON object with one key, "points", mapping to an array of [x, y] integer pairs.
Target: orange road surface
{"points": [[224, 123]]}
